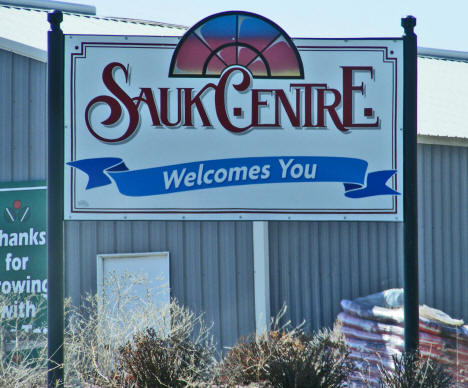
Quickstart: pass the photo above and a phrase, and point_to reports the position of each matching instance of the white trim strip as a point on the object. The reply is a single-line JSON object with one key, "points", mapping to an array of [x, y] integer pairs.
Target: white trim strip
{"points": [[24, 188], [261, 276]]}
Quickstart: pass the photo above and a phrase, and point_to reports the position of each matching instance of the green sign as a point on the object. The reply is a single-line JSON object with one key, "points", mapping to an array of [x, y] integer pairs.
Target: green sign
{"points": [[23, 258]]}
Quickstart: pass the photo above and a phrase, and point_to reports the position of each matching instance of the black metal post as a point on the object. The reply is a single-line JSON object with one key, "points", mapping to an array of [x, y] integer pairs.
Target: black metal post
{"points": [[410, 201], [55, 168]]}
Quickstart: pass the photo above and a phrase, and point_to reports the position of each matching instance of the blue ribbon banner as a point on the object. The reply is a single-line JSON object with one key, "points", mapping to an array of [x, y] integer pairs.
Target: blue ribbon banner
{"points": [[210, 174]]}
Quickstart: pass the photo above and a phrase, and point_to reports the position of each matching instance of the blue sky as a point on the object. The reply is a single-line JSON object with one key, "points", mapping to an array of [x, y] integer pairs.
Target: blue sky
{"points": [[440, 24]]}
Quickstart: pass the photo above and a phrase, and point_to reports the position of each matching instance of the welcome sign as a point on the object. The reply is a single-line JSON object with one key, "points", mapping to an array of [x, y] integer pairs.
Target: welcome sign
{"points": [[235, 120]]}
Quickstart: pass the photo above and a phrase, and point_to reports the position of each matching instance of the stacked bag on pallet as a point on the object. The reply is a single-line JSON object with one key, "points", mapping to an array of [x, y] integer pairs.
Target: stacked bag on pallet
{"points": [[374, 330]]}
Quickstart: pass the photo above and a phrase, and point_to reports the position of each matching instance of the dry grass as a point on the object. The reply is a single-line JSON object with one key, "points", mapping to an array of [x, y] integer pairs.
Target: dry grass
{"points": [[23, 350], [412, 371], [100, 336], [95, 336], [127, 341]]}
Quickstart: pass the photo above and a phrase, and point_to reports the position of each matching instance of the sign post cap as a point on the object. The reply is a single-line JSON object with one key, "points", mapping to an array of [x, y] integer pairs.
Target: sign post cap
{"points": [[408, 23]]}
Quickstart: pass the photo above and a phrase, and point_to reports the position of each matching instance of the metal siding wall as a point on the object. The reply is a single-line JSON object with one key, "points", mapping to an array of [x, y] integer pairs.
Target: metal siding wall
{"points": [[313, 265], [37, 120], [22, 118], [443, 228], [211, 265], [6, 70]]}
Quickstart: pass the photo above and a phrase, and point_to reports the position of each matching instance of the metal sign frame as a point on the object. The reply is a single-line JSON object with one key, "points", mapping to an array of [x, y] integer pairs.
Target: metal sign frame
{"points": [[55, 193]]}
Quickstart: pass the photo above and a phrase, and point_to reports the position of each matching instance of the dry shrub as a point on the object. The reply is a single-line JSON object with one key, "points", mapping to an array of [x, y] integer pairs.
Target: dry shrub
{"points": [[100, 336], [412, 371], [23, 346], [245, 363], [24, 368], [172, 360], [288, 358]]}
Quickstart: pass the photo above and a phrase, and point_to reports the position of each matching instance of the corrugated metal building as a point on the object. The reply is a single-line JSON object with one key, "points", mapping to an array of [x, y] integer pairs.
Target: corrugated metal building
{"points": [[312, 265]]}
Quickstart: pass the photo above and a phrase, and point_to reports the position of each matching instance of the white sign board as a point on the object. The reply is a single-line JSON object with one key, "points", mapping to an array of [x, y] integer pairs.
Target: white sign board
{"points": [[215, 126]]}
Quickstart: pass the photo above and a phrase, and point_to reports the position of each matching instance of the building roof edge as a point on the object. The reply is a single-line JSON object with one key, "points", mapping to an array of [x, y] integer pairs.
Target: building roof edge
{"points": [[443, 54], [443, 140], [23, 49]]}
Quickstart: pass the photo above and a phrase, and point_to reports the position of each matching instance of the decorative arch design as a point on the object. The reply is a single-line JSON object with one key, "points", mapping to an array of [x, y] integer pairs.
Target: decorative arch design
{"points": [[236, 38]]}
